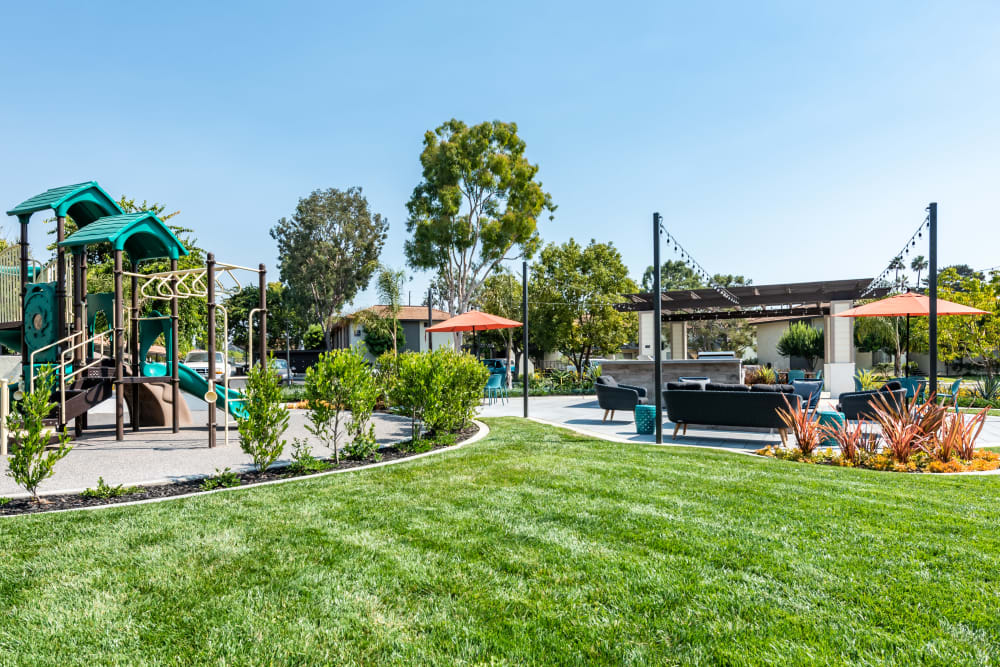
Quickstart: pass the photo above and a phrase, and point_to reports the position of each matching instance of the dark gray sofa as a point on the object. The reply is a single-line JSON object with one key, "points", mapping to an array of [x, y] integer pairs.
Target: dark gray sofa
{"points": [[612, 396], [728, 405]]}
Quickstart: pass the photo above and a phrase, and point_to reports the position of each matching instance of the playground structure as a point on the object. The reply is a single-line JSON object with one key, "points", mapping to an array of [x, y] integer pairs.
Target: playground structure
{"points": [[48, 316]]}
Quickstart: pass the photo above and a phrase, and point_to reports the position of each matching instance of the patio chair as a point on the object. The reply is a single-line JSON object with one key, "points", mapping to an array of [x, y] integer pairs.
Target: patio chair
{"points": [[796, 375], [914, 386], [953, 394], [612, 396], [809, 390], [493, 387]]}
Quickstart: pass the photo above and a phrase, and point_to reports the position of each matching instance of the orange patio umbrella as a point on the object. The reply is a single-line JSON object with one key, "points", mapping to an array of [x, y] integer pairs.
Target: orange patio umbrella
{"points": [[474, 320], [909, 303]]}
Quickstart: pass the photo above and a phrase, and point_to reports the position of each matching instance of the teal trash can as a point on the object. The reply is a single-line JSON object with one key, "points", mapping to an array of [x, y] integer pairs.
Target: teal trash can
{"points": [[645, 419], [832, 418]]}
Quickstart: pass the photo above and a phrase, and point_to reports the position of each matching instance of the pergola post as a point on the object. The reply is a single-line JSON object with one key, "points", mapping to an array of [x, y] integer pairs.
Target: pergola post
{"points": [[838, 350], [678, 340]]}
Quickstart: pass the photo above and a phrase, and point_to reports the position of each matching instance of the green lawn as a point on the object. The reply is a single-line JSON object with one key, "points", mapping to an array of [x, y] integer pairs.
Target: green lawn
{"points": [[533, 546]]}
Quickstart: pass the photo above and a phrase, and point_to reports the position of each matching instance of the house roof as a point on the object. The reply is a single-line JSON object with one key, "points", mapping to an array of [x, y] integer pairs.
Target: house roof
{"points": [[406, 313], [142, 235]]}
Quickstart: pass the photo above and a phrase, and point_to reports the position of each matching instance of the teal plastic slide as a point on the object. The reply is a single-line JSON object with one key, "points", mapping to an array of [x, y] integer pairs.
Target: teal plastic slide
{"points": [[196, 385]]}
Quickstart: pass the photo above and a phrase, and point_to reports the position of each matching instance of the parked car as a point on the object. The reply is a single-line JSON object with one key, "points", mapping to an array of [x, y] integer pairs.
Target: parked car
{"points": [[280, 366], [197, 360]]}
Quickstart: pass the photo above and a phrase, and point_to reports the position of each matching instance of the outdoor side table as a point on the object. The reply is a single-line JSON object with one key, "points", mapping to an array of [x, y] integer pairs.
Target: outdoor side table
{"points": [[645, 419], [832, 418]]}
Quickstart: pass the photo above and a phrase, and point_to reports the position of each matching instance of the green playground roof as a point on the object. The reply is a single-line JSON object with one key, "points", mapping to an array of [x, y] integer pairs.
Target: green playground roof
{"points": [[84, 202], [142, 235]]}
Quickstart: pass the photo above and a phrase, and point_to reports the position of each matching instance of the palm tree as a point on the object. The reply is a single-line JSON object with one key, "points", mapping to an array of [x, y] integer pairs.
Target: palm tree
{"points": [[897, 265], [919, 264]]}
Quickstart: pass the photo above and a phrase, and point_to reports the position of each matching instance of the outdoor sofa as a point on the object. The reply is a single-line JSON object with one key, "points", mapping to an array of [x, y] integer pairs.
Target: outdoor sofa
{"points": [[729, 405], [612, 396]]}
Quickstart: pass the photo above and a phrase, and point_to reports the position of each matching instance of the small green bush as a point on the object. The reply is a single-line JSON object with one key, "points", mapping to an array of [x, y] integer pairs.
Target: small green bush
{"points": [[303, 461], [266, 418], [31, 462], [105, 490], [223, 479], [338, 382]]}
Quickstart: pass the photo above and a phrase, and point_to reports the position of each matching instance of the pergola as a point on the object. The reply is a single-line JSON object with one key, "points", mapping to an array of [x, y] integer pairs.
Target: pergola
{"points": [[811, 299], [784, 300]]}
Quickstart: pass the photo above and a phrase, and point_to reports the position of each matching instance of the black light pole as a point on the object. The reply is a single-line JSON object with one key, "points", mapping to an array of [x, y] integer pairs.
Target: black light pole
{"points": [[524, 332], [932, 284], [657, 333], [430, 320]]}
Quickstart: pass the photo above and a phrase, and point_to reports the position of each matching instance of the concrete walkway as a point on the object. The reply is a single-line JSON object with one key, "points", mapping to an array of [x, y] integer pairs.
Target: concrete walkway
{"points": [[156, 455], [583, 414]]}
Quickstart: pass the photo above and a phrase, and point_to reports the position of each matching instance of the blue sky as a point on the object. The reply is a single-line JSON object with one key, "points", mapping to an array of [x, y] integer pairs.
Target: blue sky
{"points": [[784, 141]]}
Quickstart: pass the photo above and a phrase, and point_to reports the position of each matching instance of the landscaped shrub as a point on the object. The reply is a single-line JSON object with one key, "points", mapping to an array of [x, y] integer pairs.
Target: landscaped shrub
{"points": [[440, 389], [803, 423], [868, 380], [853, 439], [266, 418], [386, 373], [762, 375], [105, 490], [361, 399], [31, 462], [339, 381], [303, 461]]}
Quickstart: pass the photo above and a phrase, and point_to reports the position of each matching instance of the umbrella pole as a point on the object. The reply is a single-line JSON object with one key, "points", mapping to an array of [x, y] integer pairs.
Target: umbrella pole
{"points": [[906, 373]]}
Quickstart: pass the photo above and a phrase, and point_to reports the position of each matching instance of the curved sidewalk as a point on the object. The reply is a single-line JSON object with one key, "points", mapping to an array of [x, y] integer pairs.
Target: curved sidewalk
{"points": [[155, 455]]}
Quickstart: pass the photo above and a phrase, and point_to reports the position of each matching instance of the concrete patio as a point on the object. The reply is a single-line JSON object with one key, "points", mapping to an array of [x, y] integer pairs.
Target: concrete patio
{"points": [[582, 414]]}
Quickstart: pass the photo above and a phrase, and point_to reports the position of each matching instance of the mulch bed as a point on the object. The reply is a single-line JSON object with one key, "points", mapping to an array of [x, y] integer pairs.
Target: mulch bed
{"points": [[75, 501]]}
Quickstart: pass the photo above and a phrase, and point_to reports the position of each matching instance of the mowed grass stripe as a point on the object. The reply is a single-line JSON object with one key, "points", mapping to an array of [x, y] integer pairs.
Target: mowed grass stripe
{"points": [[536, 545]]}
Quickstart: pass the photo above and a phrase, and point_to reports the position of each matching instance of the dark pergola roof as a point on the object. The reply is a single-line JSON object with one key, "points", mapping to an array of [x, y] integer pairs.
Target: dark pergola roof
{"points": [[781, 300]]}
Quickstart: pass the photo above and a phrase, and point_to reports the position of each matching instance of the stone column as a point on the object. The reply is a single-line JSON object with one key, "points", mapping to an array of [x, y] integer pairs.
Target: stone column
{"points": [[838, 371], [678, 340]]}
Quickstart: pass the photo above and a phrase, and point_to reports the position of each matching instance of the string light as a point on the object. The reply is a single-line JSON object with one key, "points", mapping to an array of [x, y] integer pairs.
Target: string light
{"points": [[699, 270], [882, 280]]}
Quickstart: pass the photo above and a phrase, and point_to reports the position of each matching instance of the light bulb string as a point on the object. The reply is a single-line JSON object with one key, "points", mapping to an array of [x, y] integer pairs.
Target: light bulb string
{"points": [[882, 279], [698, 268]]}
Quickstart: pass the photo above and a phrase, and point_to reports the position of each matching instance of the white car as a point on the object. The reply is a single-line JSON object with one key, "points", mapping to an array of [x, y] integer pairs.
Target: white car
{"points": [[197, 360]]}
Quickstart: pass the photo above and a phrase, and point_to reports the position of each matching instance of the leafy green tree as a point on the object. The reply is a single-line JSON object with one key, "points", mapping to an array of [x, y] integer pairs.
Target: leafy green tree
{"points": [[312, 339], [501, 295], [674, 275], [32, 461], [266, 418], [801, 340], [379, 340], [281, 317], [575, 289], [328, 251], [975, 339], [477, 205]]}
